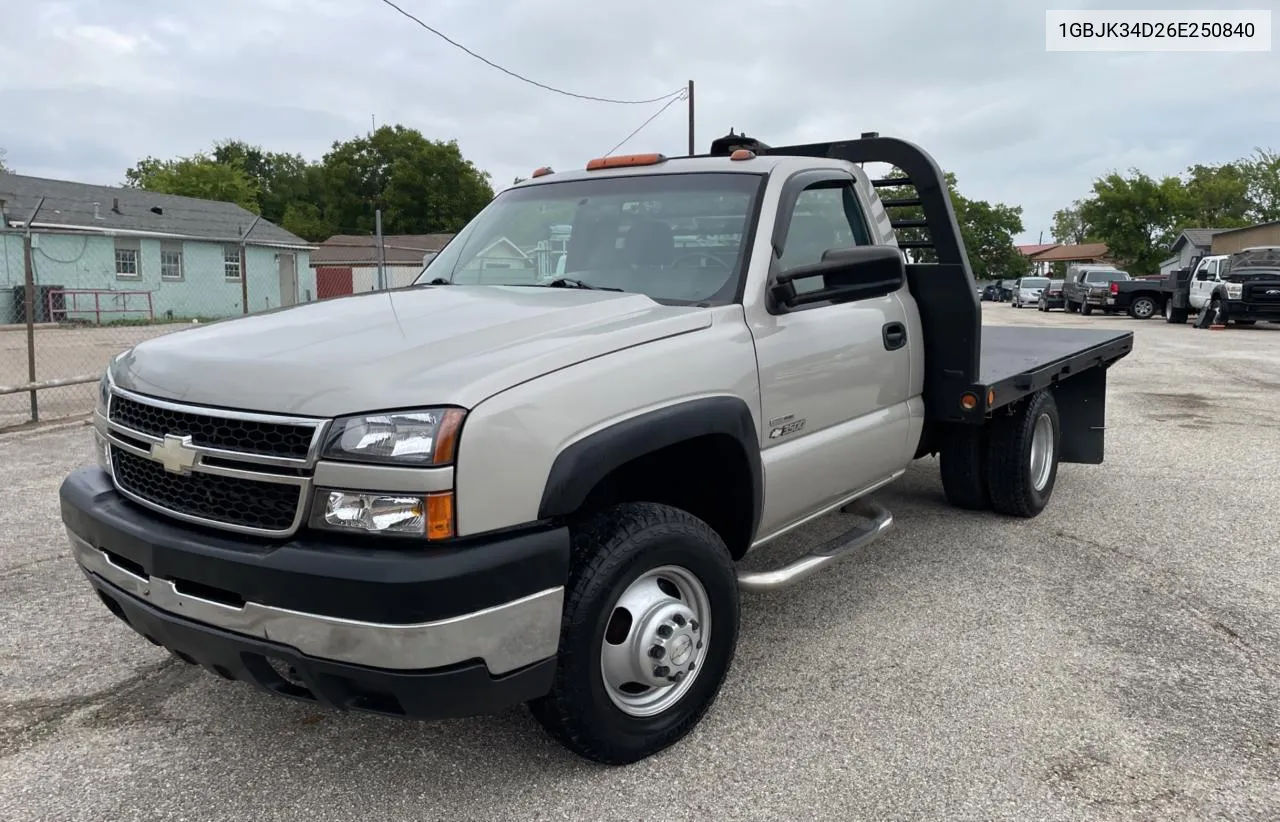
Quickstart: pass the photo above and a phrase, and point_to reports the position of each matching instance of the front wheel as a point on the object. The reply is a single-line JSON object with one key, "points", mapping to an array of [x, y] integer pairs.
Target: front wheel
{"points": [[1086, 309], [1022, 456], [650, 628]]}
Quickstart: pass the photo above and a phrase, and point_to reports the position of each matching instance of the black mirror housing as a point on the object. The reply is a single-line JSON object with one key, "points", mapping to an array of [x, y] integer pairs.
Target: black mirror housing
{"points": [[856, 273]]}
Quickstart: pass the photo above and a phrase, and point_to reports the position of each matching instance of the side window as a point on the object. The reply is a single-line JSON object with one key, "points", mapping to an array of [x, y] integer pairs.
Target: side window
{"points": [[827, 215]]}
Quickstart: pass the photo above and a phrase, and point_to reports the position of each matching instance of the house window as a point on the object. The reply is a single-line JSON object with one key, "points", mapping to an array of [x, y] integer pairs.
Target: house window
{"points": [[128, 253], [171, 261], [232, 265]]}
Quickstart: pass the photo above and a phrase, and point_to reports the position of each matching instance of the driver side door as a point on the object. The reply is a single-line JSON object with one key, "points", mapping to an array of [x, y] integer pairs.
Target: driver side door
{"points": [[1202, 283], [835, 377]]}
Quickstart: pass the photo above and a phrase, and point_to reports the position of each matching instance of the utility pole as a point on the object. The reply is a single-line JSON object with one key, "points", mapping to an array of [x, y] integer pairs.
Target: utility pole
{"points": [[382, 254], [29, 281], [244, 265], [692, 150]]}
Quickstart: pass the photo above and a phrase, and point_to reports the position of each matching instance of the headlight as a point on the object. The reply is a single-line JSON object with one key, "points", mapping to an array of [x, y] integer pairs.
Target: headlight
{"points": [[429, 516], [1235, 291], [414, 438], [104, 392]]}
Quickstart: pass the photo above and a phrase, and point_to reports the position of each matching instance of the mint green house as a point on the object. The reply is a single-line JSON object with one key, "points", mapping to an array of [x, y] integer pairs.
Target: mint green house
{"points": [[103, 254]]}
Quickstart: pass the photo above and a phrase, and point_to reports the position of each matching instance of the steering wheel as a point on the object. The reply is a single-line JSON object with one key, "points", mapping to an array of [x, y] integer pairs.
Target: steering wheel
{"points": [[700, 255]]}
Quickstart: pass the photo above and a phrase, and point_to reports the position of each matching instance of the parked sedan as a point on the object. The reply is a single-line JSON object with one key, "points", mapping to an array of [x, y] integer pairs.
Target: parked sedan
{"points": [[1026, 291], [1051, 296]]}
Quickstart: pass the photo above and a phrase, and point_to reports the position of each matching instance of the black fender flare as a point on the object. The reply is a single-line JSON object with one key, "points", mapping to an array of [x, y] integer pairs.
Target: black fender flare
{"points": [[579, 467]]}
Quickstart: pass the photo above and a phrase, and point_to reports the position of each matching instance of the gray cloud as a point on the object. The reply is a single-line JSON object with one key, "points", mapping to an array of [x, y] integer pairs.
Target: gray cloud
{"points": [[87, 87]]}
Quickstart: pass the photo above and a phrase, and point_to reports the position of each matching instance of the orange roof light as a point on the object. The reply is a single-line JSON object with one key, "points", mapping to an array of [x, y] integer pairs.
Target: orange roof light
{"points": [[968, 401], [625, 160], [542, 172], [743, 154]]}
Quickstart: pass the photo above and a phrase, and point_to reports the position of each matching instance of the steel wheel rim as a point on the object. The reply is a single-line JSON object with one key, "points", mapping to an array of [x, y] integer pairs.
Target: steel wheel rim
{"points": [[665, 608], [1041, 452], [1144, 307]]}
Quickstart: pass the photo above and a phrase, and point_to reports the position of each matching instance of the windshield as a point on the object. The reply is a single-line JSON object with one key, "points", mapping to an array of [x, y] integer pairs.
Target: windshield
{"points": [[1105, 276], [1035, 282], [678, 238]]}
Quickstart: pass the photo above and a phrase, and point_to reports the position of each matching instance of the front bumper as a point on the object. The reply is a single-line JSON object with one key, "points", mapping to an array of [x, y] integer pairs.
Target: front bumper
{"points": [[1241, 310], [423, 632]]}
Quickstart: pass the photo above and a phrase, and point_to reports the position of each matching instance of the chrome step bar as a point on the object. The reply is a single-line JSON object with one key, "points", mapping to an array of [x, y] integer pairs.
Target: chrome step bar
{"points": [[860, 536]]}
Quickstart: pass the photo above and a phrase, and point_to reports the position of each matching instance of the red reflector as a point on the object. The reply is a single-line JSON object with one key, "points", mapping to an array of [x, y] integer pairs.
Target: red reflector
{"points": [[1115, 288]]}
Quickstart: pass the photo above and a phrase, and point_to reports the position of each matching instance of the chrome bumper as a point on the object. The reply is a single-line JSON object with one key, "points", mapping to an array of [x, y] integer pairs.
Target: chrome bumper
{"points": [[506, 637]]}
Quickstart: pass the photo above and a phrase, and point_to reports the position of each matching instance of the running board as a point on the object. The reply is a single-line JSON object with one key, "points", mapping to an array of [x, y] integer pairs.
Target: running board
{"points": [[833, 549]]}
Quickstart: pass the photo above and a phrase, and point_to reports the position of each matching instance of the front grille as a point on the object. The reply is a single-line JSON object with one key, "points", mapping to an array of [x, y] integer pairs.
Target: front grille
{"points": [[268, 439], [1257, 292], [223, 500]]}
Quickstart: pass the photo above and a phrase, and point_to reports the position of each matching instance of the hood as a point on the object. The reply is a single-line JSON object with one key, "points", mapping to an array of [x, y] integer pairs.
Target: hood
{"points": [[443, 345]]}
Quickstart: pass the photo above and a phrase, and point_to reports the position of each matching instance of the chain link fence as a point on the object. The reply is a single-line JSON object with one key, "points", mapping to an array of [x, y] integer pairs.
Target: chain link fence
{"points": [[70, 300]]}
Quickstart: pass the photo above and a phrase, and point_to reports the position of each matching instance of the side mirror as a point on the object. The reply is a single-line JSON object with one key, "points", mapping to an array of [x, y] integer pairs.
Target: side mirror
{"points": [[856, 273]]}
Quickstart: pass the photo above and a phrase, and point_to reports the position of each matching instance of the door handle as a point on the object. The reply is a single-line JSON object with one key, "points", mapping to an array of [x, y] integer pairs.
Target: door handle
{"points": [[895, 336]]}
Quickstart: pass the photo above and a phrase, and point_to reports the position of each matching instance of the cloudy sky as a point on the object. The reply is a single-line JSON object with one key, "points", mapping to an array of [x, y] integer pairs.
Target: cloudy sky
{"points": [[87, 87]]}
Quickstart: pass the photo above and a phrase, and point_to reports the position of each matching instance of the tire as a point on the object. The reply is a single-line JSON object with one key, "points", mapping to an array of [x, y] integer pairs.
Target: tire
{"points": [[963, 463], [1177, 316], [1143, 308], [1022, 456], [1086, 309], [1244, 322], [611, 551]]}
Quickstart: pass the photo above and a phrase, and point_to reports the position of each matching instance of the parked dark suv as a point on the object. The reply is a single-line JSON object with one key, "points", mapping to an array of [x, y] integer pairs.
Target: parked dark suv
{"points": [[1051, 297]]}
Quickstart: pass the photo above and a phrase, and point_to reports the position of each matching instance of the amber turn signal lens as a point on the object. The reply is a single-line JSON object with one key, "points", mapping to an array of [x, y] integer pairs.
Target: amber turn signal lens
{"points": [[440, 524]]}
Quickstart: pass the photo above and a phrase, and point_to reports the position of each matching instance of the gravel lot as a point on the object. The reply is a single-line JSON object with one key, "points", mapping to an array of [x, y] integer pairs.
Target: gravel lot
{"points": [[1117, 658]]}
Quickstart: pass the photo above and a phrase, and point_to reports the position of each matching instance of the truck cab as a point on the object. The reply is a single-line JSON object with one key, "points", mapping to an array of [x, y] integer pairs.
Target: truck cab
{"points": [[493, 488], [1205, 277]]}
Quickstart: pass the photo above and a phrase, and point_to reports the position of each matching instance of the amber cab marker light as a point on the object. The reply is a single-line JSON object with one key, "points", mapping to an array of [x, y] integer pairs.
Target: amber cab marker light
{"points": [[991, 397], [542, 172], [743, 154], [968, 401], [440, 516], [625, 160]]}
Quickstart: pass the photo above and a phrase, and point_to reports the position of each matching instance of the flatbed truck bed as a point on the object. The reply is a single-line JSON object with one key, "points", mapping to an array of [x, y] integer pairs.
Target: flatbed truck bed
{"points": [[1018, 361]]}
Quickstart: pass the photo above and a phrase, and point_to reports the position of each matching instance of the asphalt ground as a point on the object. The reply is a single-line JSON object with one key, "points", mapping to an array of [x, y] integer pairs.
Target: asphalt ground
{"points": [[1116, 658]]}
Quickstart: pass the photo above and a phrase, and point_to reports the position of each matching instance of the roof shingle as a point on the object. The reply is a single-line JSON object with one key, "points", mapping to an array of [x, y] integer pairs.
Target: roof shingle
{"points": [[72, 204]]}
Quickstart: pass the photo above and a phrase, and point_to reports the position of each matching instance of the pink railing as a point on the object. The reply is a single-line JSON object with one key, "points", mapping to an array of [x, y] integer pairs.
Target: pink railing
{"points": [[118, 304]]}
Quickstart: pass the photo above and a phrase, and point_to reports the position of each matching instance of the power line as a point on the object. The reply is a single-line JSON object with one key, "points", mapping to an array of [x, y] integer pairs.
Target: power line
{"points": [[488, 62], [683, 95]]}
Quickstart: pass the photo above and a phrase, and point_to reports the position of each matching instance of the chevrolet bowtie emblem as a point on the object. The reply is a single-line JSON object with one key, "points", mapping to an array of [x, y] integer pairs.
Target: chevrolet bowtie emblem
{"points": [[175, 454]]}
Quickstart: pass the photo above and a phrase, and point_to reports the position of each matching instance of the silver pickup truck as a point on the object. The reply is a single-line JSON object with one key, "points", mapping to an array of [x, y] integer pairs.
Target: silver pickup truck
{"points": [[531, 481]]}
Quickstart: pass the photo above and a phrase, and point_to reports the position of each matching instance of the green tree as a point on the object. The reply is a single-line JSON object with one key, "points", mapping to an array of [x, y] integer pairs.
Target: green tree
{"points": [[987, 230], [197, 176], [422, 186], [1138, 217], [1262, 181], [1217, 196], [3, 154], [283, 180], [1069, 227]]}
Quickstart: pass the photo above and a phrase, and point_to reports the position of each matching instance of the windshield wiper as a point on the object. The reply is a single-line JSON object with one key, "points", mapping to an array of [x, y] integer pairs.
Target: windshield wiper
{"points": [[440, 281], [569, 282]]}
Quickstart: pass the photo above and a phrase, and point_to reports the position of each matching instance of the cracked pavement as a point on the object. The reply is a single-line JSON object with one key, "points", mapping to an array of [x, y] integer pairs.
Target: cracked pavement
{"points": [[1116, 658]]}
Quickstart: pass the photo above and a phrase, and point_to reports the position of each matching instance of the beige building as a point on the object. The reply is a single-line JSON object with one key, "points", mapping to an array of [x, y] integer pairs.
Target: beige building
{"points": [[1229, 242]]}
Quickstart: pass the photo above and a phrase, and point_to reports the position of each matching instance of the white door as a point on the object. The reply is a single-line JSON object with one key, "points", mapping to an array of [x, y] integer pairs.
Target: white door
{"points": [[835, 378], [287, 265], [1202, 283]]}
